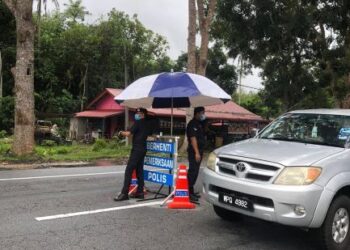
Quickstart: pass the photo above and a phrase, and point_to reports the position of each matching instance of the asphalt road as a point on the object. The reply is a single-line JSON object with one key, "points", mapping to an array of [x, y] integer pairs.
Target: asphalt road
{"points": [[70, 190]]}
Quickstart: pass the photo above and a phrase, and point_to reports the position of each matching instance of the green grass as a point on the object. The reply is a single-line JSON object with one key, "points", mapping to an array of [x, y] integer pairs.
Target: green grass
{"points": [[79, 152]]}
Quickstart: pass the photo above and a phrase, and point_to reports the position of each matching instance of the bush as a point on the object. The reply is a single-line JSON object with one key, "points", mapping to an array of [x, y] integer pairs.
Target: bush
{"points": [[48, 143], [99, 145], [62, 151], [7, 107], [3, 134], [4, 148]]}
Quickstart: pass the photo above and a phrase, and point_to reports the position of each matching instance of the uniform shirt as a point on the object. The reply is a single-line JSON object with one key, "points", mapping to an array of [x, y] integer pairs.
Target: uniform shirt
{"points": [[195, 129], [140, 131]]}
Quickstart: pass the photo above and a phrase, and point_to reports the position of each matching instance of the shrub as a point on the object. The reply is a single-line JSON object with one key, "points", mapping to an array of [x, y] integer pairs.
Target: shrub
{"points": [[3, 134], [48, 143], [99, 144], [62, 151]]}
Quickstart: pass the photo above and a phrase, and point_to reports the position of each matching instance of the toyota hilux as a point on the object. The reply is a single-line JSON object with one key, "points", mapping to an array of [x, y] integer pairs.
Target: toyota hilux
{"points": [[296, 172]]}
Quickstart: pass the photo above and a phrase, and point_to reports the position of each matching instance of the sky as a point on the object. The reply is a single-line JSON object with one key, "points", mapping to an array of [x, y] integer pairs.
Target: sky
{"points": [[168, 18]]}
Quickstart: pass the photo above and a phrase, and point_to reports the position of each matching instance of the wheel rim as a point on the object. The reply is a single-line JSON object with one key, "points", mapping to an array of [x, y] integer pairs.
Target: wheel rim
{"points": [[340, 225]]}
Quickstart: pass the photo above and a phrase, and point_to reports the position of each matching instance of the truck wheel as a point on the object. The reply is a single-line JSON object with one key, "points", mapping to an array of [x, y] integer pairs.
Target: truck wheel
{"points": [[227, 214], [335, 229]]}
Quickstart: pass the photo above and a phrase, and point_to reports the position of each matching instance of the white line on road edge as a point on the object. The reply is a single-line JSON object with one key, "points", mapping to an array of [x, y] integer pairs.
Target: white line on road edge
{"points": [[60, 216], [60, 176]]}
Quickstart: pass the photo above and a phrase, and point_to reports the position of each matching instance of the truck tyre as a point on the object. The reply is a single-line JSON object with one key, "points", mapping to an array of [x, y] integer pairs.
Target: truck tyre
{"points": [[335, 229], [226, 214]]}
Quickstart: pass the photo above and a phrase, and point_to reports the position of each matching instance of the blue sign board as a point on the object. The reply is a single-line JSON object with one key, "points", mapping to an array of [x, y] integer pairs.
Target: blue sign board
{"points": [[160, 162], [158, 177], [160, 147]]}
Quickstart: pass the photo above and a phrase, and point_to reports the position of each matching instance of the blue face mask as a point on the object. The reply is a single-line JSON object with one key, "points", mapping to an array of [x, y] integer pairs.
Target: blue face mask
{"points": [[202, 117], [137, 117]]}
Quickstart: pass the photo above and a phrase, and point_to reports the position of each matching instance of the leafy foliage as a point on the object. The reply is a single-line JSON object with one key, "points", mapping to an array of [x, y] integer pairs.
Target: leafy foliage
{"points": [[302, 47]]}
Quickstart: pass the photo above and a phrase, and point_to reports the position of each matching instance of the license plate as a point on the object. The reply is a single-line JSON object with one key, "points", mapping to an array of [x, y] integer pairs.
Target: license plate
{"points": [[235, 201]]}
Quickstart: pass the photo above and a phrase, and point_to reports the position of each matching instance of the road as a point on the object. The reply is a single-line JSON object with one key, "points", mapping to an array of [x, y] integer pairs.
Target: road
{"points": [[27, 197]]}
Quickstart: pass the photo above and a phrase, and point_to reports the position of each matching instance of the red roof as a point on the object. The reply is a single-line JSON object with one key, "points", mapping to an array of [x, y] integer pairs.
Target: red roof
{"points": [[227, 111], [98, 113], [105, 101]]}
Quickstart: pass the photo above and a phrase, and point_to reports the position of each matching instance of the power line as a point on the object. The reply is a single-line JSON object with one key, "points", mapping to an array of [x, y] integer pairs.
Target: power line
{"points": [[245, 86]]}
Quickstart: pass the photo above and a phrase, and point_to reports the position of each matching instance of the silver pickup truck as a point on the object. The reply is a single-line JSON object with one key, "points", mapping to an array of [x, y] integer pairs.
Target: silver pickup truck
{"points": [[294, 172]]}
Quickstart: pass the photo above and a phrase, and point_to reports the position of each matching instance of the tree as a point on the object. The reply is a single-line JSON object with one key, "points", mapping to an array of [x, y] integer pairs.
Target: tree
{"points": [[68, 49], [219, 69], [206, 10], [39, 12], [191, 40], [75, 11], [205, 15], [1, 78], [302, 47], [24, 76]]}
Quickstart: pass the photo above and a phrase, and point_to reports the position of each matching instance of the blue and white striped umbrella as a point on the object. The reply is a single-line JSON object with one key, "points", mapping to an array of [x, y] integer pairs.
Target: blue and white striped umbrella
{"points": [[166, 90]]}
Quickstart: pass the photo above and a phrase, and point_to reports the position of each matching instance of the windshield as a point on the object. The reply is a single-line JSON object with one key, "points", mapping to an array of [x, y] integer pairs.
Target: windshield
{"points": [[330, 130]]}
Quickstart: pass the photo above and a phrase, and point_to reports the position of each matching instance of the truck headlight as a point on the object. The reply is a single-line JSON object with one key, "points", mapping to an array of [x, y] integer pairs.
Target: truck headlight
{"points": [[298, 176], [211, 161]]}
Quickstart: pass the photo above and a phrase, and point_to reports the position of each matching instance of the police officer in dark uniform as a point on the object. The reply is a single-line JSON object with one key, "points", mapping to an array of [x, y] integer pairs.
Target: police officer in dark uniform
{"points": [[196, 142], [140, 130]]}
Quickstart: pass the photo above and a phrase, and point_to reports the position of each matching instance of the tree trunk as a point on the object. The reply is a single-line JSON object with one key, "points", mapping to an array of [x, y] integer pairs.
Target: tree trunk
{"points": [[82, 101], [39, 25], [204, 26], [191, 57], [24, 77], [0, 75], [191, 40]]}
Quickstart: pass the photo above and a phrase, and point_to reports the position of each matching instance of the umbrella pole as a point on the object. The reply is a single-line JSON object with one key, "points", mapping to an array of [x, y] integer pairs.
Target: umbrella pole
{"points": [[172, 119]]}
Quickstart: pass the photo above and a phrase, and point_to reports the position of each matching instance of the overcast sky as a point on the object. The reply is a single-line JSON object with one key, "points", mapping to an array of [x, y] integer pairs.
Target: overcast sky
{"points": [[168, 18]]}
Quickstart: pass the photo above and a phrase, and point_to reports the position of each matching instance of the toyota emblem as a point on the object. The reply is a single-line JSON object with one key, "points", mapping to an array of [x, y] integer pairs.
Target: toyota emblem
{"points": [[241, 167]]}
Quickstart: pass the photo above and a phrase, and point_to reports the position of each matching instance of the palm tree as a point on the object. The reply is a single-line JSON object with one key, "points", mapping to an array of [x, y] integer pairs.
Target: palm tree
{"points": [[75, 11]]}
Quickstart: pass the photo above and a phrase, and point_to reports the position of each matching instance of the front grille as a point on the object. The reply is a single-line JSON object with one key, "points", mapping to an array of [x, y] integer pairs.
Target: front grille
{"points": [[227, 171], [255, 171], [262, 201], [258, 177]]}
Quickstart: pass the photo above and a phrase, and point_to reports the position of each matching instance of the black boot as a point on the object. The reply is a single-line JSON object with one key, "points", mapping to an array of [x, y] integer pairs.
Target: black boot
{"points": [[121, 197], [193, 198], [137, 195]]}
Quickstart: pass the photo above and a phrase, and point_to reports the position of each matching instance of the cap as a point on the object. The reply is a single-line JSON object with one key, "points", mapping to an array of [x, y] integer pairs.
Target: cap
{"points": [[141, 110], [198, 109]]}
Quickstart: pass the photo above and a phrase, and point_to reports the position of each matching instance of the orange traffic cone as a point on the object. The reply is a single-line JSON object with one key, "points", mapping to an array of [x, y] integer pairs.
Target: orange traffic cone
{"points": [[181, 198], [133, 185]]}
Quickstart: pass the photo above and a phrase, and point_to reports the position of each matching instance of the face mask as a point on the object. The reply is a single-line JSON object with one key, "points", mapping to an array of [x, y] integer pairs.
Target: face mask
{"points": [[137, 117], [202, 117]]}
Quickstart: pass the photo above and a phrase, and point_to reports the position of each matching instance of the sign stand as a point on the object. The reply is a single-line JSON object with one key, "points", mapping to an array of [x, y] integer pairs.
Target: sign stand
{"points": [[161, 155]]}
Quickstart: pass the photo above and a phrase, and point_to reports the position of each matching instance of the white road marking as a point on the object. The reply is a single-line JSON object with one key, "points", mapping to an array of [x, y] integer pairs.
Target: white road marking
{"points": [[60, 176], [60, 216]]}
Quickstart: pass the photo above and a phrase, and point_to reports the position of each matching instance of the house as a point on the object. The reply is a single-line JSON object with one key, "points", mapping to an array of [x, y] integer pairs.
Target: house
{"points": [[103, 117]]}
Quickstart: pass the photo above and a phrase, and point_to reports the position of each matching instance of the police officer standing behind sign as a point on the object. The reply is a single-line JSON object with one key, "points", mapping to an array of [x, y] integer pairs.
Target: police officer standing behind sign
{"points": [[196, 142], [140, 131]]}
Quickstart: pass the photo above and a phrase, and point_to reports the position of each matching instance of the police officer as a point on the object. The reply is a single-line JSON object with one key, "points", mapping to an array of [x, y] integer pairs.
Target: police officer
{"points": [[140, 131], [196, 143]]}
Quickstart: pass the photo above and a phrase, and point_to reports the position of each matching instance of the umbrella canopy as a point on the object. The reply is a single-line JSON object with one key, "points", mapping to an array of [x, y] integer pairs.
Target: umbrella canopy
{"points": [[177, 89]]}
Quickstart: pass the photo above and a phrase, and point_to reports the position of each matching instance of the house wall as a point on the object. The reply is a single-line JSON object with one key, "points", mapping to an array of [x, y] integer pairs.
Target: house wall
{"points": [[77, 128]]}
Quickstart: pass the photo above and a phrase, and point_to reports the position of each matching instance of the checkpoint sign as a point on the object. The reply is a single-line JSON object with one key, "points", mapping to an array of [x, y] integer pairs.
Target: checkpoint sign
{"points": [[158, 177], [159, 162], [160, 147]]}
